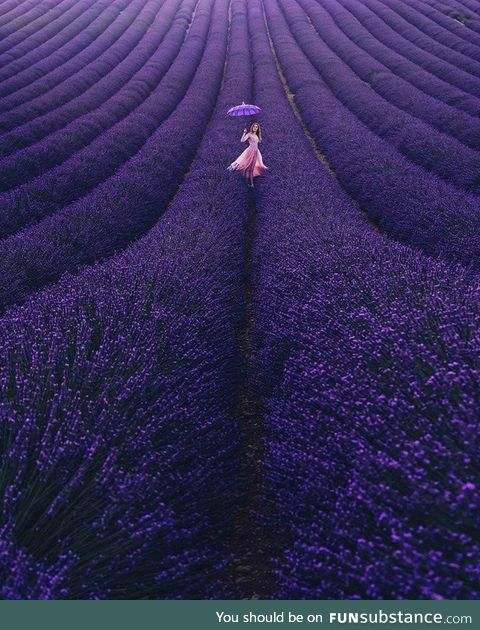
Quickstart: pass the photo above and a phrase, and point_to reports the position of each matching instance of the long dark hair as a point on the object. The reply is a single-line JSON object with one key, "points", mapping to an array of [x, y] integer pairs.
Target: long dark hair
{"points": [[258, 132]]}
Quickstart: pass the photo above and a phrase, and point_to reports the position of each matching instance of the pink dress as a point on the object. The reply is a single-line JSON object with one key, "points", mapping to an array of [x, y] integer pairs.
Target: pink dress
{"points": [[249, 162]]}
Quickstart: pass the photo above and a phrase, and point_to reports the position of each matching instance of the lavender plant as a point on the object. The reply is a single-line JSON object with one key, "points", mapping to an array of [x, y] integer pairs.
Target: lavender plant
{"points": [[41, 29], [134, 451], [367, 363], [10, 8], [126, 121], [408, 203], [22, 56], [184, 360], [114, 96], [441, 61], [28, 84], [442, 14], [422, 145], [435, 38], [436, 111]]}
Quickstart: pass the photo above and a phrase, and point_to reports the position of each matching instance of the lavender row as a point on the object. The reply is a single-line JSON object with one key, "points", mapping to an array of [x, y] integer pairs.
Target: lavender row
{"points": [[47, 73], [160, 463], [407, 42], [10, 7], [127, 204], [367, 369], [110, 139], [408, 203], [22, 56], [453, 20], [419, 85], [398, 43], [112, 78], [32, 36], [25, 13], [417, 141], [470, 4], [453, 32], [443, 42], [464, 13], [436, 111]]}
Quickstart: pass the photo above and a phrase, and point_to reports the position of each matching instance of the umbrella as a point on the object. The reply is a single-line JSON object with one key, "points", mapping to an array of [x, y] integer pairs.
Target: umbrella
{"points": [[243, 110]]}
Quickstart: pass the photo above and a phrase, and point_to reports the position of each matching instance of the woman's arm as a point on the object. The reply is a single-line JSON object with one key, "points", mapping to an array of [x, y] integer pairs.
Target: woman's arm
{"points": [[245, 135]]}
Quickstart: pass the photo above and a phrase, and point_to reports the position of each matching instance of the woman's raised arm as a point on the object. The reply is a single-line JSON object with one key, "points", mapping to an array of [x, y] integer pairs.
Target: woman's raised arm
{"points": [[245, 135]]}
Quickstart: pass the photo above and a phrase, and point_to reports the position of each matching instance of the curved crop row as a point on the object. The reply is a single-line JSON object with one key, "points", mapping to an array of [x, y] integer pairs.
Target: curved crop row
{"points": [[461, 5], [111, 141], [367, 367], [470, 4], [33, 35], [450, 45], [159, 469], [390, 38], [410, 204], [461, 13], [465, 13], [19, 60], [419, 142], [417, 83], [425, 96], [48, 73], [443, 66], [117, 77], [453, 21], [24, 13], [127, 204], [11, 10], [9, 6]]}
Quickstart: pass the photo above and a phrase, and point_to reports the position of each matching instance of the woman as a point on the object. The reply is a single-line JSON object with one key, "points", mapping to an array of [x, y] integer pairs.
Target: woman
{"points": [[250, 162]]}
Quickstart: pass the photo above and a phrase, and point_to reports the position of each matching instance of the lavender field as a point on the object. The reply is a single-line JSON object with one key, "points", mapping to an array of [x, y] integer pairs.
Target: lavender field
{"points": [[213, 391]]}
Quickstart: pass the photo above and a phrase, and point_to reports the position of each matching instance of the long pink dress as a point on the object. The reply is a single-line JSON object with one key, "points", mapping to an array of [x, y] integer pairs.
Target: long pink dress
{"points": [[250, 162]]}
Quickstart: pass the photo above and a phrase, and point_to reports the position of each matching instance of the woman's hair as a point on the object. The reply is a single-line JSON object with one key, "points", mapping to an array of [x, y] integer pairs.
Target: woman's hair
{"points": [[258, 132]]}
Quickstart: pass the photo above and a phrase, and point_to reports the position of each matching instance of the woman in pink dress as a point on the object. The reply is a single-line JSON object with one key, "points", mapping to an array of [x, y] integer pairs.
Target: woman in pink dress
{"points": [[250, 162]]}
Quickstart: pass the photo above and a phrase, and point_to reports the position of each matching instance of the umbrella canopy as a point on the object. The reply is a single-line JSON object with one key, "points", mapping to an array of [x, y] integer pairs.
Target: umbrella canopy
{"points": [[243, 110]]}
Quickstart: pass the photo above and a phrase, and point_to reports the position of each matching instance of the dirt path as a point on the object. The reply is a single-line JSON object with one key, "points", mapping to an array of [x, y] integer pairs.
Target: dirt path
{"points": [[251, 544]]}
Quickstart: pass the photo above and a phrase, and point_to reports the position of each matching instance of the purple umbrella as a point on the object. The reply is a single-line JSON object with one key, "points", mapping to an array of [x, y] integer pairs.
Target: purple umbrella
{"points": [[244, 110]]}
